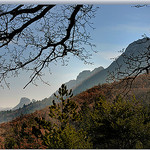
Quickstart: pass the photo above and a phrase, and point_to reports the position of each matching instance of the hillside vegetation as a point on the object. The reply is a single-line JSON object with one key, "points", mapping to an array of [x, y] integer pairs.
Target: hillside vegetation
{"points": [[101, 117]]}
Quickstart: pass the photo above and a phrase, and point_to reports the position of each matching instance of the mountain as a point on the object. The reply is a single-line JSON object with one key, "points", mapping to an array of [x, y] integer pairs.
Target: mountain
{"points": [[134, 50], [9, 115], [23, 101], [84, 75], [26, 106], [85, 80]]}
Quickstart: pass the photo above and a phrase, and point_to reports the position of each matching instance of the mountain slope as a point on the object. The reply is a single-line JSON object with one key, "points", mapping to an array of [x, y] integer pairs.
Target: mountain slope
{"points": [[82, 76], [133, 50]]}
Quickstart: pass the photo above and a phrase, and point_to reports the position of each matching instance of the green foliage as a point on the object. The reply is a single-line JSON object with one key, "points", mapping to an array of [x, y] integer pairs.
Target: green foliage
{"points": [[9, 143], [65, 111], [60, 131], [68, 138], [13, 138], [119, 124]]}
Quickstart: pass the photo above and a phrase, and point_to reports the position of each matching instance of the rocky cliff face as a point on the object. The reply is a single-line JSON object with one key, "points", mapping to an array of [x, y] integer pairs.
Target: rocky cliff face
{"points": [[23, 101], [87, 73], [84, 75]]}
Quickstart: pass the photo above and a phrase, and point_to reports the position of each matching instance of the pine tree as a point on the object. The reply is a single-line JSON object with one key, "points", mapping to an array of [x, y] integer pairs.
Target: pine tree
{"points": [[60, 132]]}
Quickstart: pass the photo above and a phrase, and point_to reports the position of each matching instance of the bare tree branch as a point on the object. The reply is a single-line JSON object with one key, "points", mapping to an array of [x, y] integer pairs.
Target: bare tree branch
{"points": [[32, 37], [135, 64], [9, 36]]}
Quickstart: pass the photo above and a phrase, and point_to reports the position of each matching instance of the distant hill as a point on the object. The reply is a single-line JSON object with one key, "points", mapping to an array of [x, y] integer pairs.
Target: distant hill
{"points": [[9, 115], [23, 101]]}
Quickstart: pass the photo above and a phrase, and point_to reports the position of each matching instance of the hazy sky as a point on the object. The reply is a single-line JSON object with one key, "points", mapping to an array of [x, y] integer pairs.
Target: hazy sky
{"points": [[116, 27]]}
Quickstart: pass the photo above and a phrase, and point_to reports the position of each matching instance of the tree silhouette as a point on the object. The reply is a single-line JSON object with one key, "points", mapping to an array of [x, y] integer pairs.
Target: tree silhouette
{"points": [[34, 36]]}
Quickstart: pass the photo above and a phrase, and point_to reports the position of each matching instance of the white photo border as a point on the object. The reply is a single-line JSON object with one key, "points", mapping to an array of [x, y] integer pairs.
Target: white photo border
{"points": [[75, 2]]}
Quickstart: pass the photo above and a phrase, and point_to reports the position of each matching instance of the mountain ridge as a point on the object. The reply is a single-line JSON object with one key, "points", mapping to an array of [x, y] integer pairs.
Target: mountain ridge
{"points": [[85, 74], [133, 49], [88, 79]]}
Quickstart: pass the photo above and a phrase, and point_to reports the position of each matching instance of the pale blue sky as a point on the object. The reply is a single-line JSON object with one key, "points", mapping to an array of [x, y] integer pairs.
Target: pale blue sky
{"points": [[116, 26]]}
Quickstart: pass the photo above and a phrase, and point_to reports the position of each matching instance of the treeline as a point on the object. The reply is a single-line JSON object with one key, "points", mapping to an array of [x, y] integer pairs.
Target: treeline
{"points": [[119, 123]]}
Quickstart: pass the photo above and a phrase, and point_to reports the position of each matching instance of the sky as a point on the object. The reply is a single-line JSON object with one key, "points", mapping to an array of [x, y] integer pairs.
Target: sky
{"points": [[116, 26]]}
